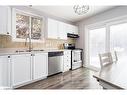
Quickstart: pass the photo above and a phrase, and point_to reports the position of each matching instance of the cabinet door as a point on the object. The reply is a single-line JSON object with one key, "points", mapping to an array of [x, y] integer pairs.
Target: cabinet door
{"points": [[72, 29], [21, 72], [4, 71], [52, 29], [67, 61], [40, 65], [5, 19], [69, 28], [62, 31], [76, 30]]}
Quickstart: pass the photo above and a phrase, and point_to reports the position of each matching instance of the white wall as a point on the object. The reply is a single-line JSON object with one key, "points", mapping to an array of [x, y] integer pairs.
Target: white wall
{"points": [[107, 15]]}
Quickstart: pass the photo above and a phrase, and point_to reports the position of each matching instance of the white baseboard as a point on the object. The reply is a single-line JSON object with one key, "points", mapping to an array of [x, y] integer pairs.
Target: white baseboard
{"points": [[32, 81]]}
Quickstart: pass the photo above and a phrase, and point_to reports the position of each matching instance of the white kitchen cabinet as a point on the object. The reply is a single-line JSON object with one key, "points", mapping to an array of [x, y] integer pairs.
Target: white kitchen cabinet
{"points": [[76, 29], [59, 30], [67, 60], [4, 71], [52, 29], [5, 20], [40, 65], [62, 31], [21, 69], [71, 29]]}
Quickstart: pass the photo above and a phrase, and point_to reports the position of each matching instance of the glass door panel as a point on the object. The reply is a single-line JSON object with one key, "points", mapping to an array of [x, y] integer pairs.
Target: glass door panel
{"points": [[118, 42], [97, 41]]}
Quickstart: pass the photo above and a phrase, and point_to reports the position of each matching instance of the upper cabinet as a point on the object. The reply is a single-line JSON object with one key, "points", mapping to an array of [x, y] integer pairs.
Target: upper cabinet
{"points": [[5, 20], [72, 29], [62, 34], [52, 29], [59, 30]]}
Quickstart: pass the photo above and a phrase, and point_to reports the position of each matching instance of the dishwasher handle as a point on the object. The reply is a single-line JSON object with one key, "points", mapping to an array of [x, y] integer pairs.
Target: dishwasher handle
{"points": [[53, 54]]}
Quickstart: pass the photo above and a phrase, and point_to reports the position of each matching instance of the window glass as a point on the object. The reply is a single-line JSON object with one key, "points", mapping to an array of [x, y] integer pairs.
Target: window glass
{"points": [[118, 36], [97, 39], [22, 26], [36, 24]]}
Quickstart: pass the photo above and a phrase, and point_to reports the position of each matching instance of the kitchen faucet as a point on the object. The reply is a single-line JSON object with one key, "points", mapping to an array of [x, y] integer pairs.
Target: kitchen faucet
{"points": [[30, 43]]}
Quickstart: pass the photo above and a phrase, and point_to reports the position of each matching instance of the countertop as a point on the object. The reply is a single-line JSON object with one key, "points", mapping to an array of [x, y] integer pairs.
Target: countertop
{"points": [[13, 51]]}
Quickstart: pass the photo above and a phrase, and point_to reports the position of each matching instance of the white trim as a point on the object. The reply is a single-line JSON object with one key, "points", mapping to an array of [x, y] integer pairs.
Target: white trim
{"points": [[27, 13], [106, 24], [87, 46], [14, 11], [109, 21]]}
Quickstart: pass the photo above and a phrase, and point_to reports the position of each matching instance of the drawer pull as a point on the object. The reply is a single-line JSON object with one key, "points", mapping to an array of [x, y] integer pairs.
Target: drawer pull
{"points": [[8, 56]]}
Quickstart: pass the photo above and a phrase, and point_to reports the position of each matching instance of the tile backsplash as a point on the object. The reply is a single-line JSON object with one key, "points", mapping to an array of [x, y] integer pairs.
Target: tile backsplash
{"points": [[6, 42]]}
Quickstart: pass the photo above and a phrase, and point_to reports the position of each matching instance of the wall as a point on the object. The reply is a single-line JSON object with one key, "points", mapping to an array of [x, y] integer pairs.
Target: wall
{"points": [[6, 41], [107, 15]]}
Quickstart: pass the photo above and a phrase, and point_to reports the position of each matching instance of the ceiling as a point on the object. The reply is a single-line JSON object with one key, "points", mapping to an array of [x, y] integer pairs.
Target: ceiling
{"points": [[67, 12]]}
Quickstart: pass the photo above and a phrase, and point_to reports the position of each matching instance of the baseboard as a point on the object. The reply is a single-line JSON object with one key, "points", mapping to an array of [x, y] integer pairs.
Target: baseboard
{"points": [[29, 82]]}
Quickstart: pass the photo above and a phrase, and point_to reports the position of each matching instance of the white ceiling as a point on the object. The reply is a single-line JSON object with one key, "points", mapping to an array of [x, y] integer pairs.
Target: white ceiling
{"points": [[67, 12]]}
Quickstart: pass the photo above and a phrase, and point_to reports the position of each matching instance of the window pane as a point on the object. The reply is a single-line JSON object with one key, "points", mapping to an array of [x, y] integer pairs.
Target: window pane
{"points": [[22, 26], [36, 25], [97, 45], [118, 36]]}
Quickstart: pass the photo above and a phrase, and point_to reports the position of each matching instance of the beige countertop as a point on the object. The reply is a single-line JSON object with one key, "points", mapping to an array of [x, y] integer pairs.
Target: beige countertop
{"points": [[13, 51]]}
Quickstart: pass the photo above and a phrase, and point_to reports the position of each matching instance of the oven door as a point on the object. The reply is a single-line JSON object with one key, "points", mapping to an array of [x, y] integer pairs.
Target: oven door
{"points": [[76, 59]]}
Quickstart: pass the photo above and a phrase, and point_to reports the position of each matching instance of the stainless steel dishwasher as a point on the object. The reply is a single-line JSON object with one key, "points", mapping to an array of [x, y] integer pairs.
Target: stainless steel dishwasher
{"points": [[55, 62]]}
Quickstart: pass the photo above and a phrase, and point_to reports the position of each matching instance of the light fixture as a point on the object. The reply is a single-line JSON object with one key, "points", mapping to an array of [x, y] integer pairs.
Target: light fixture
{"points": [[80, 10]]}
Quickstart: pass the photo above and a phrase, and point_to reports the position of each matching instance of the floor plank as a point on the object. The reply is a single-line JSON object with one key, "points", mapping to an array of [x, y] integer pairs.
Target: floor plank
{"points": [[81, 78]]}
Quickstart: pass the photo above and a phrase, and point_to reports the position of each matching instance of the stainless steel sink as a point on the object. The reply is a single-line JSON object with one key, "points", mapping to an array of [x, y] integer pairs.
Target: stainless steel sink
{"points": [[22, 51], [38, 50], [28, 50]]}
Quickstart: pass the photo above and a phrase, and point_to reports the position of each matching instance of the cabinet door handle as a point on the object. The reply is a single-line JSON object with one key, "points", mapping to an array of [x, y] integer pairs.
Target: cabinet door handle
{"points": [[32, 54], [8, 56]]}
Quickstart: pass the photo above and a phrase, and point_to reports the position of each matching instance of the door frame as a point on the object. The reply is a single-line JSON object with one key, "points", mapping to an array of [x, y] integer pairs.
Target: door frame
{"points": [[106, 24], [87, 43]]}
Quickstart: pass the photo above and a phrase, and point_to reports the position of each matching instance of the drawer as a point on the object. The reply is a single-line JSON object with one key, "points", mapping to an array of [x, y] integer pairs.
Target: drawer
{"points": [[67, 57], [67, 66], [67, 61], [67, 52]]}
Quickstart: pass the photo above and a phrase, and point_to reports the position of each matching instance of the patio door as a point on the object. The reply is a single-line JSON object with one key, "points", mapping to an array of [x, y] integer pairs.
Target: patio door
{"points": [[118, 40], [97, 44]]}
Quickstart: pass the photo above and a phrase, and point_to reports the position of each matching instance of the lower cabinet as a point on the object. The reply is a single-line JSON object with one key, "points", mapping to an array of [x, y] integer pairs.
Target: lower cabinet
{"points": [[27, 68], [67, 60], [4, 71], [21, 69], [40, 65]]}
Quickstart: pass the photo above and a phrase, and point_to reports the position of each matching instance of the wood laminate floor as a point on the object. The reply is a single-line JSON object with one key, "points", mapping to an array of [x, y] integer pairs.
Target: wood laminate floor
{"points": [[81, 78]]}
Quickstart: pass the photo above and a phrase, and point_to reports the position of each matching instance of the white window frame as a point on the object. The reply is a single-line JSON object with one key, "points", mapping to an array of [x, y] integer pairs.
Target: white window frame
{"points": [[87, 40], [14, 11], [106, 24]]}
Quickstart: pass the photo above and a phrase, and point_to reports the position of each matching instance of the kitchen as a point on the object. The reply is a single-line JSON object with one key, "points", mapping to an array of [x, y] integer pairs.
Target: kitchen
{"points": [[39, 54], [57, 47]]}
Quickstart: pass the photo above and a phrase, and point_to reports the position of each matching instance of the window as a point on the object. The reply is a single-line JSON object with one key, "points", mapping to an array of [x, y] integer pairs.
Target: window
{"points": [[97, 39], [26, 25], [105, 37], [118, 36], [22, 26], [36, 24]]}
